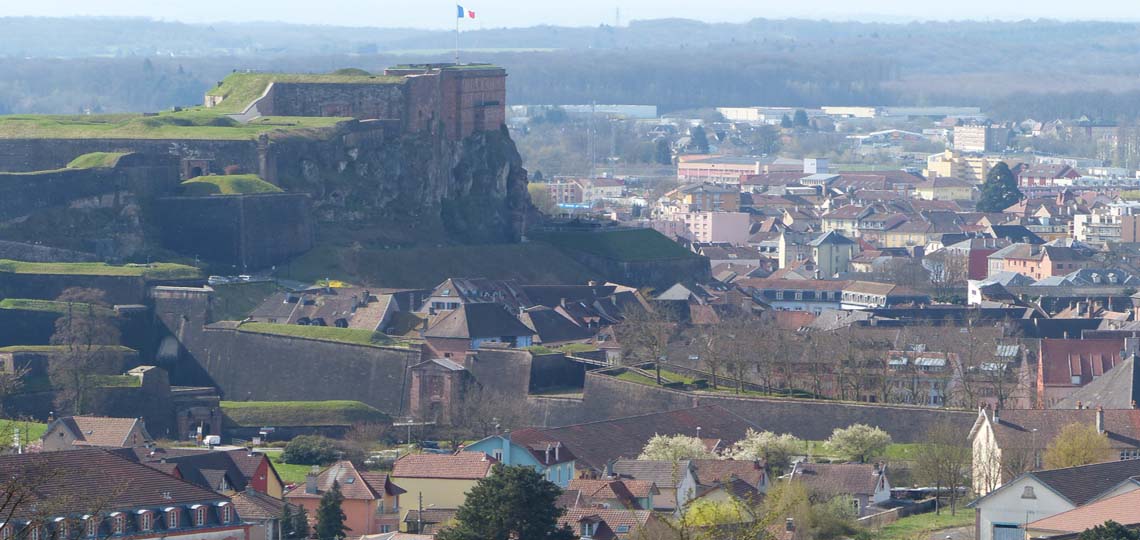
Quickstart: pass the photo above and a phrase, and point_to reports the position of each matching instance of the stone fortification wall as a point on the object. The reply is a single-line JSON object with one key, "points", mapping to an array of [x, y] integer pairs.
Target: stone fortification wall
{"points": [[27, 155], [506, 371], [118, 289], [249, 366], [361, 101], [259, 367], [606, 397], [247, 231]]}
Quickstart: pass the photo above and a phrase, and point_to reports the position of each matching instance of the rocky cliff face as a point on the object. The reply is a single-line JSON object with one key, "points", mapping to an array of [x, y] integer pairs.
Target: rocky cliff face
{"points": [[423, 185]]}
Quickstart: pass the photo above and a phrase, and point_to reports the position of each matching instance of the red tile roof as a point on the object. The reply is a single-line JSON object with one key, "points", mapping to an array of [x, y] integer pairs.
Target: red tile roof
{"points": [[623, 522], [94, 476], [354, 485], [838, 479], [711, 471], [1123, 509], [1063, 359], [461, 466], [102, 430]]}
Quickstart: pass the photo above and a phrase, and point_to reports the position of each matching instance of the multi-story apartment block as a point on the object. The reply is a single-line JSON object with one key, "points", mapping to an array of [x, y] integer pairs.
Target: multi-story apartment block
{"points": [[954, 164], [980, 138], [1116, 223]]}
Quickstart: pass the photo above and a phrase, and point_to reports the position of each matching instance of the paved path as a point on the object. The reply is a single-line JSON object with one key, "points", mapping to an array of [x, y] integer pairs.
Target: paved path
{"points": [[958, 533]]}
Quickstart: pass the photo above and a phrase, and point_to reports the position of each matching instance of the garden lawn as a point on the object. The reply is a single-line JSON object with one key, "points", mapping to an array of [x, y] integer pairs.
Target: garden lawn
{"points": [[922, 525], [290, 473]]}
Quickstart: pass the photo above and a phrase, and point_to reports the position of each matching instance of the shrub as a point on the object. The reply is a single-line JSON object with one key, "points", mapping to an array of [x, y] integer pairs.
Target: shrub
{"points": [[311, 450]]}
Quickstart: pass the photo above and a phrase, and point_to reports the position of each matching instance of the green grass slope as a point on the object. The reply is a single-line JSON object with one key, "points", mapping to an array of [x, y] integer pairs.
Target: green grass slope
{"points": [[300, 413], [354, 336], [532, 263], [149, 271], [234, 184], [193, 124], [96, 160], [629, 245]]}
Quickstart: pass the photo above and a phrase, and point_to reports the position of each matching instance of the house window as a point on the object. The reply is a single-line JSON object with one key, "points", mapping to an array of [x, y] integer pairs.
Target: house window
{"points": [[118, 523], [779, 295], [385, 528], [227, 513], [559, 474], [1028, 493], [200, 516], [497, 454], [146, 521], [172, 518], [92, 526]]}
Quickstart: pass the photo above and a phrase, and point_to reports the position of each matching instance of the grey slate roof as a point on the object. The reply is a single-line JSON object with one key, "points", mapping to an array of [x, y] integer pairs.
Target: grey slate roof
{"points": [[1083, 484], [831, 237], [665, 474], [1118, 388], [482, 320]]}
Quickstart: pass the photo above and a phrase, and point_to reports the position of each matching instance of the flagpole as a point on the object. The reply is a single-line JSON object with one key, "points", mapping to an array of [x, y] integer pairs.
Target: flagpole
{"points": [[457, 41]]}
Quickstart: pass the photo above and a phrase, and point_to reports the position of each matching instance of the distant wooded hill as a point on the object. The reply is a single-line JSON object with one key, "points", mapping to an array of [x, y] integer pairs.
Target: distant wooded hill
{"points": [[70, 65]]}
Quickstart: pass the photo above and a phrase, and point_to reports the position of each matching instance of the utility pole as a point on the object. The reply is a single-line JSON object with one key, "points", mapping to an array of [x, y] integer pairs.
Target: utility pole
{"points": [[420, 515]]}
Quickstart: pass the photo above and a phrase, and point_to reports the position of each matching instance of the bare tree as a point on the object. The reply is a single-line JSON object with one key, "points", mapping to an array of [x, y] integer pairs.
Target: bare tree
{"points": [[485, 411], [645, 334], [944, 460], [950, 270], [979, 372], [84, 333]]}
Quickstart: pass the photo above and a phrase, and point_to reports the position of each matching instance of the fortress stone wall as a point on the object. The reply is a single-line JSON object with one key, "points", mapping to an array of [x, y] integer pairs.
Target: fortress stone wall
{"points": [[249, 366], [247, 231], [608, 397]]}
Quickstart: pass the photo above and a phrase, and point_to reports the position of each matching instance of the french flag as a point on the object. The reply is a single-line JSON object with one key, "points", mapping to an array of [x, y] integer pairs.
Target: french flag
{"points": [[460, 13]]}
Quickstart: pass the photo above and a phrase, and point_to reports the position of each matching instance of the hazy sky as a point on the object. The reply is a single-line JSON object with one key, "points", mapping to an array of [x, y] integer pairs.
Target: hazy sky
{"points": [[498, 13]]}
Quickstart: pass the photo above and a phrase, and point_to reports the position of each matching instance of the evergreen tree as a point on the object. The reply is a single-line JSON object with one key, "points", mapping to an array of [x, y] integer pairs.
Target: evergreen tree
{"points": [[999, 190], [800, 119], [700, 140], [661, 152], [1111, 530], [330, 516], [294, 524], [785, 122], [514, 502]]}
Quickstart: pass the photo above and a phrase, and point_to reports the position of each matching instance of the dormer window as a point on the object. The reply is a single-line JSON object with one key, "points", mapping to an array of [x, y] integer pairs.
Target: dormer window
{"points": [[62, 528], [172, 518], [227, 512], [92, 526], [199, 515], [146, 520], [118, 523]]}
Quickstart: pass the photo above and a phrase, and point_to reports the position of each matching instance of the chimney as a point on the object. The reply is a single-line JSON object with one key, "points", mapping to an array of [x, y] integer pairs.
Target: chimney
{"points": [[311, 481], [1100, 419]]}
